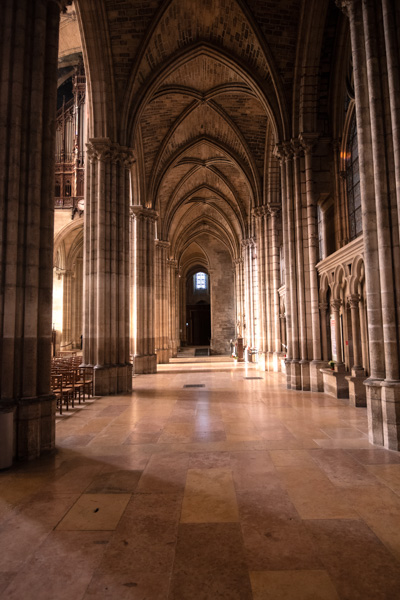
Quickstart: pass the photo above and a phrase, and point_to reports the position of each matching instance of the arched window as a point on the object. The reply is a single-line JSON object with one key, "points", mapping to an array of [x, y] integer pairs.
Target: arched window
{"points": [[67, 188], [200, 281], [353, 182]]}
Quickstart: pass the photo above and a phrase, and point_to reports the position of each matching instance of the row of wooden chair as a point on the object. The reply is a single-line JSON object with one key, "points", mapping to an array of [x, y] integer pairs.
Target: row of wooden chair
{"points": [[70, 381]]}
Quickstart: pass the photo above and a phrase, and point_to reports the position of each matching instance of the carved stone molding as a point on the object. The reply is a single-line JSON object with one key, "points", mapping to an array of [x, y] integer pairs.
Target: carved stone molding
{"points": [[140, 212], [335, 304], [353, 300], [346, 5], [308, 141], [260, 211], [237, 261], [162, 244], [249, 242], [274, 209], [104, 150]]}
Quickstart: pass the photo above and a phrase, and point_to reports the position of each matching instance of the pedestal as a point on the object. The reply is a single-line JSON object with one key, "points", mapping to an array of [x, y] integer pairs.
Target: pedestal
{"points": [[295, 375], [374, 411], [357, 392], [144, 365], [316, 375], [112, 379], [335, 383], [391, 414], [305, 375]]}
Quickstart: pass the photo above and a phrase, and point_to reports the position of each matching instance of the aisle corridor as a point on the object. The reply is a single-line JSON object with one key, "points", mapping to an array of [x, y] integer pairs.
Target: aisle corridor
{"points": [[210, 481]]}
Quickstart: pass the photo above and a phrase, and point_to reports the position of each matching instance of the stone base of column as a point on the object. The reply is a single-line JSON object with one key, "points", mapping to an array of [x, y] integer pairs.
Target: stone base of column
{"points": [[277, 358], [163, 356], [173, 352], [316, 376], [112, 379], [288, 373], [305, 375], [295, 378], [335, 383], [262, 362], [144, 365], [357, 392], [374, 410], [391, 414], [35, 426]]}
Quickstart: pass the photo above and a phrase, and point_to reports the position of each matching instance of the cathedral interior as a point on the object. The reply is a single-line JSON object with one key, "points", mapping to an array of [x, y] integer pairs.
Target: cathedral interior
{"points": [[200, 299]]}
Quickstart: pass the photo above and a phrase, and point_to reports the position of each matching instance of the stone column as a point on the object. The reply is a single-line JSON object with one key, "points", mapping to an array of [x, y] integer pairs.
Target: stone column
{"points": [[335, 307], [268, 294], [143, 229], [28, 88], [247, 292], [240, 303], [353, 301], [291, 275], [239, 291], [375, 41], [279, 151], [66, 338], [77, 303], [357, 394], [316, 380], [276, 282], [300, 267], [106, 266], [183, 333], [173, 312], [259, 214], [162, 295], [323, 307]]}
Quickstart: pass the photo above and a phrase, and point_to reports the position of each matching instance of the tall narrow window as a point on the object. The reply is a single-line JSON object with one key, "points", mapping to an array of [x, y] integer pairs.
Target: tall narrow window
{"points": [[320, 233], [200, 281], [353, 183]]}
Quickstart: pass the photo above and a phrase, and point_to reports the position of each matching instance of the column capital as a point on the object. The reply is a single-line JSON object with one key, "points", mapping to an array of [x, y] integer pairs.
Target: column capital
{"points": [[278, 151], [104, 150], [140, 212], [162, 244], [288, 150], [172, 263], [237, 261], [353, 300], [249, 242], [274, 209], [323, 306], [260, 211], [336, 304], [308, 141], [99, 149], [297, 148], [346, 5]]}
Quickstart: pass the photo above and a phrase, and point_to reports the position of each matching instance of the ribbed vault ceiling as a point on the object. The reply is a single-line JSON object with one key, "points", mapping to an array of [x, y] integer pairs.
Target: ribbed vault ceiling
{"points": [[200, 130]]}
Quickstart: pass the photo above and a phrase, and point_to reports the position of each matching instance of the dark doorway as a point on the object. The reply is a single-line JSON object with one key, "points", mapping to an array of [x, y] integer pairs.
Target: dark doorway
{"points": [[198, 307], [199, 324]]}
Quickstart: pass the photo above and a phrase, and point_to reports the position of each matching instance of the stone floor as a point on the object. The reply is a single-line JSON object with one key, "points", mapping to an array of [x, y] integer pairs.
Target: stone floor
{"points": [[238, 489]]}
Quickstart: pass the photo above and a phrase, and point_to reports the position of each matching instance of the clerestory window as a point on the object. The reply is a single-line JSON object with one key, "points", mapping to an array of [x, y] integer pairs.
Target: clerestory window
{"points": [[353, 183]]}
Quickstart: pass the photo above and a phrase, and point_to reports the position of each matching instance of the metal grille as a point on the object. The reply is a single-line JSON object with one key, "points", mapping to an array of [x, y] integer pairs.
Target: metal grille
{"points": [[194, 385]]}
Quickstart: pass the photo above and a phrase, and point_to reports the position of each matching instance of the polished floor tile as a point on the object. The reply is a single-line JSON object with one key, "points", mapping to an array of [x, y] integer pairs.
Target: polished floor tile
{"points": [[237, 490], [209, 497], [95, 512], [292, 585]]}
